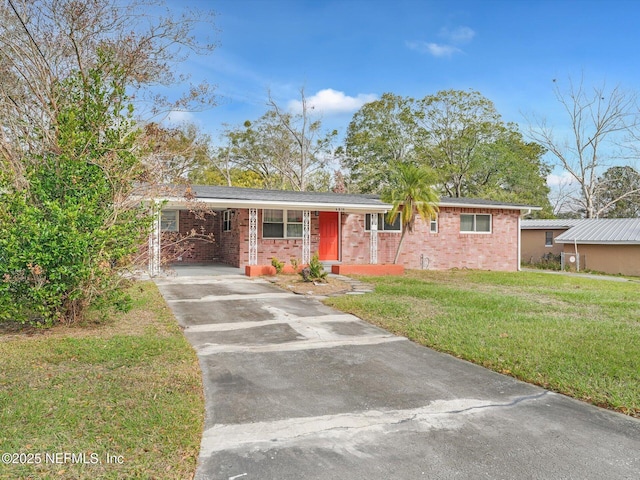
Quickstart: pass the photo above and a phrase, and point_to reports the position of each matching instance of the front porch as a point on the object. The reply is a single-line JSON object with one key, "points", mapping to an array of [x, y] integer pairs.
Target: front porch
{"points": [[288, 226]]}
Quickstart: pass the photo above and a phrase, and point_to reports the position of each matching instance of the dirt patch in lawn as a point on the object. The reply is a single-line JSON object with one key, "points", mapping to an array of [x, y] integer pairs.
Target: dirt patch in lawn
{"points": [[295, 284], [149, 315]]}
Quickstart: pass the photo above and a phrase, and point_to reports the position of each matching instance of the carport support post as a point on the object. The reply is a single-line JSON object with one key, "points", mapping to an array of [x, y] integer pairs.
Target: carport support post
{"points": [[373, 238], [253, 236], [154, 241], [306, 237]]}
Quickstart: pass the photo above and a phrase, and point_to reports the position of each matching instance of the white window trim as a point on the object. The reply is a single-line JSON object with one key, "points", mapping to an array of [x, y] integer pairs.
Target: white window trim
{"points": [[381, 224], [433, 221], [474, 232], [177, 221], [226, 220], [285, 222]]}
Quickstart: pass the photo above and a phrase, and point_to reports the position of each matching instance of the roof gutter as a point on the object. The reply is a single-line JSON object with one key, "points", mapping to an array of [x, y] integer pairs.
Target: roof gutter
{"points": [[236, 203], [529, 209]]}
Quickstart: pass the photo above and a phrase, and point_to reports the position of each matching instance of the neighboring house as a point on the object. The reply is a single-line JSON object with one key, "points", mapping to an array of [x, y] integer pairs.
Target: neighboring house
{"points": [[539, 237], [606, 245], [252, 226]]}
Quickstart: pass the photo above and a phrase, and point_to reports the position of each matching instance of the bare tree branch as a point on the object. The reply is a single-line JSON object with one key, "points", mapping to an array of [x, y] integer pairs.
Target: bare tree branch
{"points": [[599, 119]]}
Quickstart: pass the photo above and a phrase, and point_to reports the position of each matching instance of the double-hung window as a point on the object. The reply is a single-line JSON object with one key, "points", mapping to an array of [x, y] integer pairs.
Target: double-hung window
{"points": [[383, 225], [281, 223], [475, 223]]}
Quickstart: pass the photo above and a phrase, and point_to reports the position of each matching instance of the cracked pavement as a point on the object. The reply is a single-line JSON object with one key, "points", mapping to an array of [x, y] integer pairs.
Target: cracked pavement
{"points": [[297, 390]]}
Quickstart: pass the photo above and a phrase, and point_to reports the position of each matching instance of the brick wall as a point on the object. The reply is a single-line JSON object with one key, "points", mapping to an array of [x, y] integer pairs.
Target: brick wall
{"points": [[227, 243], [280, 248], [449, 248], [354, 239], [191, 250]]}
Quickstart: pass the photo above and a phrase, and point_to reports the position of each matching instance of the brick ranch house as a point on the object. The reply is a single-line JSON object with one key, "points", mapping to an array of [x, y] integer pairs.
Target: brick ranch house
{"points": [[252, 226]]}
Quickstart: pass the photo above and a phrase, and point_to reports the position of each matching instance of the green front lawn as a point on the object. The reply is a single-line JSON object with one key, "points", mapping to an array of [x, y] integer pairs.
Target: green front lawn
{"points": [[124, 397], [577, 336]]}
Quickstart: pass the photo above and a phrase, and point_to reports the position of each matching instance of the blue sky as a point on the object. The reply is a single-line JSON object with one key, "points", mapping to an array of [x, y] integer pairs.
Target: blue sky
{"points": [[347, 52]]}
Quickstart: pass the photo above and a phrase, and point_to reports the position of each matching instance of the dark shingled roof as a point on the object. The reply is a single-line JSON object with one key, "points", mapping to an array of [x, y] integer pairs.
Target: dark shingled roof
{"points": [[465, 201], [237, 193], [259, 195]]}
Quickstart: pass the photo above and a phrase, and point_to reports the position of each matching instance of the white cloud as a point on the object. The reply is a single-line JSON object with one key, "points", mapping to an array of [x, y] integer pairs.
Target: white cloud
{"points": [[564, 179], [330, 101], [177, 116], [458, 35], [435, 49]]}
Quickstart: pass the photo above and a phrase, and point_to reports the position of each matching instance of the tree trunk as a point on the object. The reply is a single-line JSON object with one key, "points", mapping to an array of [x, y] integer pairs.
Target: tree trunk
{"points": [[589, 207], [404, 230]]}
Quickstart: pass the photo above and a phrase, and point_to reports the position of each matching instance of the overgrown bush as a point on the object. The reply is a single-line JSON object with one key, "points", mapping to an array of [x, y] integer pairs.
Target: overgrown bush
{"points": [[68, 231], [295, 263], [277, 264], [314, 272], [548, 261]]}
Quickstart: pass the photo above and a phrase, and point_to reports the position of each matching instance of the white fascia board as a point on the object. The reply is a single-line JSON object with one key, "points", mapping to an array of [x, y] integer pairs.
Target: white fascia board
{"points": [[488, 206], [282, 205], [544, 228]]}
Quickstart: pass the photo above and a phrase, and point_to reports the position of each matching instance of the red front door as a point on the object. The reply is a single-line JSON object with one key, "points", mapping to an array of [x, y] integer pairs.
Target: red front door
{"points": [[328, 248]]}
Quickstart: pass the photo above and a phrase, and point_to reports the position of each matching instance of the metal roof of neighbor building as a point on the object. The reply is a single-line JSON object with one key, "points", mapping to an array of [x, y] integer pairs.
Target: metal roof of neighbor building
{"points": [[605, 230], [550, 224]]}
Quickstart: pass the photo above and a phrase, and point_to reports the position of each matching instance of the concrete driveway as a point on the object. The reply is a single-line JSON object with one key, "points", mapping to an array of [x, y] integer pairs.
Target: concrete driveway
{"points": [[297, 390]]}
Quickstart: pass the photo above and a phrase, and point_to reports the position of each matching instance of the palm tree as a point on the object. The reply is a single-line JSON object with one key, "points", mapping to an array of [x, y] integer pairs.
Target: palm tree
{"points": [[410, 192]]}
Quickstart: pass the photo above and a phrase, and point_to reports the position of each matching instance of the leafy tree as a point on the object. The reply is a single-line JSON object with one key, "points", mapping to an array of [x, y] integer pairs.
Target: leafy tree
{"points": [[410, 192], [381, 133], [285, 150], [67, 236], [459, 135], [235, 177], [174, 153], [599, 121], [513, 171], [476, 154], [459, 126], [260, 147], [69, 151], [619, 193], [43, 42]]}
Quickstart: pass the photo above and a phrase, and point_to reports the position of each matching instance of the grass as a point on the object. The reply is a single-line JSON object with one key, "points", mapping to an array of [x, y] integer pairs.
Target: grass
{"points": [[127, 391], [576, 336]]}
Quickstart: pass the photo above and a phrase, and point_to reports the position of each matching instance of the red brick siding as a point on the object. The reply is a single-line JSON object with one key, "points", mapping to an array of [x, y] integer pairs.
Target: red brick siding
{"points": [[354, 240], [198, 250], [443, 250], [280, 248], [228, 243]]}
